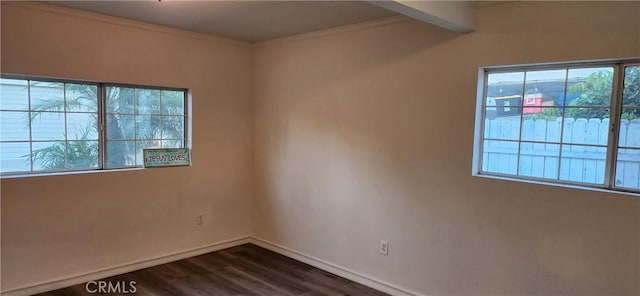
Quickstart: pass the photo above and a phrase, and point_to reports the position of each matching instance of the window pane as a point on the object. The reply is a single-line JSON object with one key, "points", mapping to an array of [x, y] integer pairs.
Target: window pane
{"points": [[82, 154], [631, 92], [583, 164], [82, 126], [14, 94], [539, 160], [544, 88], [178, 143], [47, 96], [589, 113], [147, 101], [14, 157], [120, 100], [504, 88], [542, 125], [172, 127], [121, 153], [120, 127], [590, 127], [504, 107], [500, 157], [47, 126], [14, 126], [140, 145], [82, 97], [503, 128], [628, 169], [630, 113], [148, 127], [629, 133], [590, 87], [173, 102], [48, 156]]}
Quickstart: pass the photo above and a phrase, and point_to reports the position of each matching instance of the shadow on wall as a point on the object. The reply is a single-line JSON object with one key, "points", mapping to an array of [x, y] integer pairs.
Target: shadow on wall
{"points": [[348, 128]]}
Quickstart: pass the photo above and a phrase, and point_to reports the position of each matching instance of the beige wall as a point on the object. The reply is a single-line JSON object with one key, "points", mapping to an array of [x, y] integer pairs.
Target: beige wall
{"points": [[351, 148], [59, 226], [366, 134]]}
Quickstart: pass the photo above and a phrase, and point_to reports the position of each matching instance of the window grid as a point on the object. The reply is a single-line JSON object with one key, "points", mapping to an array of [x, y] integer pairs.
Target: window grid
{"points": [[100, 125], [626, 71], [614, 127], [30, 130], [66, 130], [553, 143], [562, 123], [524, 86], [564, 143], [136, 140], [64, 140]]}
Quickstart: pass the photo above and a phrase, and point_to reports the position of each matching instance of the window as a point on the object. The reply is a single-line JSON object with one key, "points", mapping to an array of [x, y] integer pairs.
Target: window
{"points": [[50, 126], [138, 118], [562, 123]]}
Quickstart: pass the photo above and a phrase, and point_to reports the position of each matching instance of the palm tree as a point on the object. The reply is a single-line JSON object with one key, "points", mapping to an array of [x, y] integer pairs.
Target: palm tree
{"points": [[121, 106], [79, 153]]}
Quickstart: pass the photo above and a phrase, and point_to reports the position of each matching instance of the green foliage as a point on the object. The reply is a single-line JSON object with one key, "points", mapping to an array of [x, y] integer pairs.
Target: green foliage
{"points": [[50, 158], [597, 90], [82, 154], [547, 114], [631, 93], [79, 154]]}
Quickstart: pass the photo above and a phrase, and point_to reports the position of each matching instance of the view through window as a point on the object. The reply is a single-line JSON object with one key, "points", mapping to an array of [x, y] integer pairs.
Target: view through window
{"points": [[577, 124], [51, 126]]}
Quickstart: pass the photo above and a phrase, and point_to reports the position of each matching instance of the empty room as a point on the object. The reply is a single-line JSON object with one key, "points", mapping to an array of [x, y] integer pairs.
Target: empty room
{"points": [[458, 148]]}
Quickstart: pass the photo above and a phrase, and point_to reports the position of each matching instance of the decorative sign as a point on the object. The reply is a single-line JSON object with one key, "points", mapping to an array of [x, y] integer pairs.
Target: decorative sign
{"points": [[164, 157]]}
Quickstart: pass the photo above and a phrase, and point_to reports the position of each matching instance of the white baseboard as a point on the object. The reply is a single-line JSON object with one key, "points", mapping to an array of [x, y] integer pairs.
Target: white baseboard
{"points": [[334, 268], [137, 265], [120, 269]]}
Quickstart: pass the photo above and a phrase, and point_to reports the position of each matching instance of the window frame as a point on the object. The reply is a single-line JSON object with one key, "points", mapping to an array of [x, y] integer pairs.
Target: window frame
{"points": [[103, 128], [101, 125], [615, 111]]}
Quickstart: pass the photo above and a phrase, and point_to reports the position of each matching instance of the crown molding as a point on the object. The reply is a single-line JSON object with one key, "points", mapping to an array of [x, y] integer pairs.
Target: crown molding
{"points": [[383, 22], [96, 17]]}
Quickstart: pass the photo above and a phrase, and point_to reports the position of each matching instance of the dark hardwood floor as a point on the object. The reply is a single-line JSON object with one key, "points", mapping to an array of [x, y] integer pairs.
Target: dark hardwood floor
{"points": [[242, 270]]}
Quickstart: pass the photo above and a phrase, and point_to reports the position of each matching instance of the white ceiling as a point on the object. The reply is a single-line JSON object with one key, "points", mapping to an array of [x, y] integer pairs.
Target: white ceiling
{"points": [[244, 20]]}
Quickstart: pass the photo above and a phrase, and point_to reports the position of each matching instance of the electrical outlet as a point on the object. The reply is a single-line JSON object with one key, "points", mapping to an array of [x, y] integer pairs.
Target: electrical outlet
{"points": [[384, 247], [200, 219]]}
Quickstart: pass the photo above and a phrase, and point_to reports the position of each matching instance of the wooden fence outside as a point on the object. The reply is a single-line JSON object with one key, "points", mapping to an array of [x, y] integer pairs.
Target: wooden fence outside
{"points": [[580, 157]]}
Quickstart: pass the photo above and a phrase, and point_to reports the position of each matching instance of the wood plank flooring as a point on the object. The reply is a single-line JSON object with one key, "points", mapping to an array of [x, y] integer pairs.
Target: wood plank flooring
{"points": [[243, 270]]}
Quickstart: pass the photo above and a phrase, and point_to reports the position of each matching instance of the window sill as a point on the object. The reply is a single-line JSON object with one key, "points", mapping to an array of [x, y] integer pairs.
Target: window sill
{"points": [[565, 185], [63, 173]]}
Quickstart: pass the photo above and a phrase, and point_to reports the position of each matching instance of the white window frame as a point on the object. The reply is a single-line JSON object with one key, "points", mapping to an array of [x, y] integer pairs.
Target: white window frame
{"points": [[613, 137], [102, 132]]}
